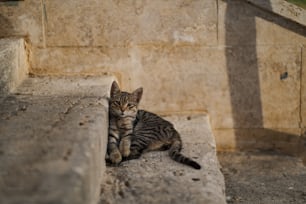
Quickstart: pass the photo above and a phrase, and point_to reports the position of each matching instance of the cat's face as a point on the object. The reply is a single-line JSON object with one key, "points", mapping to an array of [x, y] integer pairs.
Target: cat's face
{"points": [[124, 104]]}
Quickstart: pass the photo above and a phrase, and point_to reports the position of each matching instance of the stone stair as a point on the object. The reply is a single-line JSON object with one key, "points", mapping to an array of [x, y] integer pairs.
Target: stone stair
{"points": [[53, 135], [155, 178]]}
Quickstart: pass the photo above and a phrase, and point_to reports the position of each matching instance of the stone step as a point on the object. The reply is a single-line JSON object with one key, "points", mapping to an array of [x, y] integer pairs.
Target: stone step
{"points": [[53, 134], [155, 178]]}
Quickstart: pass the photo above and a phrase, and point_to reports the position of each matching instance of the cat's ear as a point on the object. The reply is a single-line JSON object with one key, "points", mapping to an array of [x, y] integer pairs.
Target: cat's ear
{"points": [[137, 94], [114, 89]]}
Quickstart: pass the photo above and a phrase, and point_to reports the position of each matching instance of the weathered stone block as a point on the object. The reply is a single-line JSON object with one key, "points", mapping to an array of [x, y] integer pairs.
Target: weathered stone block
{"points": [[117, 23], [189, 68], [283, 8], [58, 137], [24, 19], [14, 64], [242, 23], [264, 84], [280, 81], [185, 79], [241, 87], [77, 60]]}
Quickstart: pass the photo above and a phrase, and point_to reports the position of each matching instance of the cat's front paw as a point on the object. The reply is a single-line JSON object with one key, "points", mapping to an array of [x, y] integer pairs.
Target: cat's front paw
{"points": [[126, 152], [115, 157]]}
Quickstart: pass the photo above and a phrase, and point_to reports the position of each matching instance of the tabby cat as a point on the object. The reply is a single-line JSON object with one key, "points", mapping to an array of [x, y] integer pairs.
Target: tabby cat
{"points": [[133, 131]]}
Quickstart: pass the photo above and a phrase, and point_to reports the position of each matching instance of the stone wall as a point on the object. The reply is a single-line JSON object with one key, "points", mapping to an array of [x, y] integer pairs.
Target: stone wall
{"points": [[236, 59]]}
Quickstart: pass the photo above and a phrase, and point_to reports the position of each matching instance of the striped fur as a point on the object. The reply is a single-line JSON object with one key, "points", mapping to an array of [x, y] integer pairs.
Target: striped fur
{"points": [[122, 114], [133, 131]]}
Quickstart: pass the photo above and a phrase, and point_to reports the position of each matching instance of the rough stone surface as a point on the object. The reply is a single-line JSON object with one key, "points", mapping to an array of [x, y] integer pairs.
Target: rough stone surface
{"points": [[243, 24], [23, 19], [282, 8], [117, 23], [288, 141], [139, 65], [263, 177], [52, 143], [239, 60], [303, 88], [264, 86], [240, 86], [14, 64], [155, 178]]}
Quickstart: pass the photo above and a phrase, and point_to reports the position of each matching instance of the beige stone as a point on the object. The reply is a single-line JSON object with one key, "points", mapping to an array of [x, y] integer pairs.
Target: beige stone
{"points": [[259, 96], [23, 19], [242, 23], [303, 88], [239, 62], [120, 23], [286, 141], [189, 69], [280, 79], [249, 93]]}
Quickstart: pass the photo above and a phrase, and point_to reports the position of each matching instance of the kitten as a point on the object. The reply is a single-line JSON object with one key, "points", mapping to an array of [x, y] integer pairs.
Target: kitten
{"points": [[133, 131]]}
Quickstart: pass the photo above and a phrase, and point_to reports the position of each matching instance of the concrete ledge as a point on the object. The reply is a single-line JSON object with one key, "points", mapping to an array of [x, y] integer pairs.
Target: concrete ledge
{"points": [[14, 64], [282, 8], [155, 178], [52, 141]]}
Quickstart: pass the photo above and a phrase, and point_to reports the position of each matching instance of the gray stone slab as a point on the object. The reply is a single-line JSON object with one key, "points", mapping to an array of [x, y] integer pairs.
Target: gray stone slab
{"points": [[155, 178], [53, 143]]}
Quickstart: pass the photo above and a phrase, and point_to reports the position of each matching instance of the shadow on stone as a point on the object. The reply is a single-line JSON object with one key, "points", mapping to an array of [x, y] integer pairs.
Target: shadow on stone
{"points": [[244, 79], [6, 26]]}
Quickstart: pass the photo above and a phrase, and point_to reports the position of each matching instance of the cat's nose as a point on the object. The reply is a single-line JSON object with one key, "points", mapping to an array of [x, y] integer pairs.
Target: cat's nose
{"points": [[122, 111]]}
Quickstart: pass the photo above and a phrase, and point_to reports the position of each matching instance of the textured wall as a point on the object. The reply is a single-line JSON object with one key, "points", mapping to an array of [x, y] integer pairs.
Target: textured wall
{"points": [[240, 62]]}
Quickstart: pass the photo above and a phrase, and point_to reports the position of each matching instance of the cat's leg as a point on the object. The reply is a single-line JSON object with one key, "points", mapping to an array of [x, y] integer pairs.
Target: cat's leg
{"points": [[112, 149], [164, 147], [125, 145], [136, 149], [114, 154], [125, 139], [135, 154]]}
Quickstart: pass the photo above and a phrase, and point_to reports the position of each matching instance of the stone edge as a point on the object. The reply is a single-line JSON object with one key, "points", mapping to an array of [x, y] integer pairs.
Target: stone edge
{"points": [[282, 8]]}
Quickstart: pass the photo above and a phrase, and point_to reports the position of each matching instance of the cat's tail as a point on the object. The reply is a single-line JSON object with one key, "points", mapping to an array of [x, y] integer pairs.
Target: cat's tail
{"points": [[176, 155]]}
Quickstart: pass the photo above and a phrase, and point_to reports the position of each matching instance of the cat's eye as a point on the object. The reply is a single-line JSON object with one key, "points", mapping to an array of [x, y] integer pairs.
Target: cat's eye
{"points": [[116, 103], [130, 105]]}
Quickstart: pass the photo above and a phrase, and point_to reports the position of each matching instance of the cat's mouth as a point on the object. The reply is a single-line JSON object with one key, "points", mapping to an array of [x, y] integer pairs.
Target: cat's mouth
{"points": [[124, 115]]}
